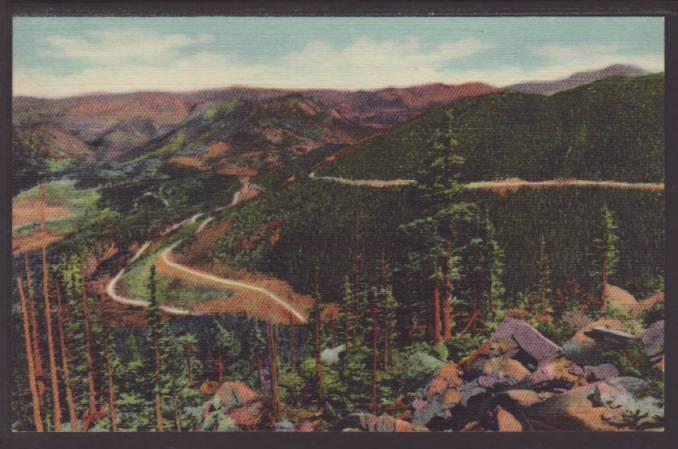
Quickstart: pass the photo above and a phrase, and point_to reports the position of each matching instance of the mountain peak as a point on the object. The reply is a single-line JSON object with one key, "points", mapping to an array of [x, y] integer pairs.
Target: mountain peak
{"points": [[576, 79]]}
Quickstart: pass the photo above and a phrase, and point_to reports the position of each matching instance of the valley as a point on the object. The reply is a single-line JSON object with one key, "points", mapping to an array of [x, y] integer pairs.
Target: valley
{"points": [[430, 258]]}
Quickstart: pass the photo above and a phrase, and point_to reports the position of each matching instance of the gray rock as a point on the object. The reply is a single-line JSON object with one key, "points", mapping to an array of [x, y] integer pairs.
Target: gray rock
{"points": [[653, 340], [491, 382], [431, 409], [633, 385], [331, 355], [528, 339], [470, 390], [609, 338], [601, 372], [284, 426]]}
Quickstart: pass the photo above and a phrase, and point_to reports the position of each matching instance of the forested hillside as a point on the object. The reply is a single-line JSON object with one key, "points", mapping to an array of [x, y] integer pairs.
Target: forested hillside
{"points": [[610, 129]]}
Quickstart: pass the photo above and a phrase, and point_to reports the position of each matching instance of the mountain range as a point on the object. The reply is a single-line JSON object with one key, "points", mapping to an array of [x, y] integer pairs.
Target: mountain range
{"points": [[236, 130]]}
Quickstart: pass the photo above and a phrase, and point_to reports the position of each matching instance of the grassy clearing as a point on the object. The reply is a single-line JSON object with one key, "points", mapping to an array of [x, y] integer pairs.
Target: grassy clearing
{"points": [[66, 204]]}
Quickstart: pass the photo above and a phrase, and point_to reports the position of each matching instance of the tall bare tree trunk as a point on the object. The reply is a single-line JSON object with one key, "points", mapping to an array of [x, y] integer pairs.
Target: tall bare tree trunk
{"points": [[318, 359], [37, 415], [158, 399], [293, 349], [447, 285], [375, 358], [603, 289], [436, 315], [92, 393], [35, 334], [177, 415], [48, 314], [111, 390], [73, 416], [273, 363]]}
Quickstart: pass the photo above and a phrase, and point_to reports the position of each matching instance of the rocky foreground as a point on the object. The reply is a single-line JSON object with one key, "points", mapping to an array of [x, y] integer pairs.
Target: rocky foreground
{"points": [[518, 380]]}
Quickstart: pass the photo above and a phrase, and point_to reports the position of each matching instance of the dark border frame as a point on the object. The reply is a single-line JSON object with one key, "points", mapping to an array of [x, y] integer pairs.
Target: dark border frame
{"points": [[329, 440]]}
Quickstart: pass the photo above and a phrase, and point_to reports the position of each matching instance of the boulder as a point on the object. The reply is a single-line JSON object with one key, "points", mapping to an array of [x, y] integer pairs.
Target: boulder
{"points": [[609, 338], [653, 340], [506, 422], [383, 423], [618, 295], [646, 305], [447, 377], [577, 319], [600, 372], [528, 339], [473, 364], [506, 367], [560, 372], [523, 398], [581, 338], [492, 382], [248, 416], [629, 384], [576, 409], [234, 394]]}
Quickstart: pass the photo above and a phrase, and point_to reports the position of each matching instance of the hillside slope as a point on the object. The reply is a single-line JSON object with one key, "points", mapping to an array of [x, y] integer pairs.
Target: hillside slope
{"points": [[612, 129]]}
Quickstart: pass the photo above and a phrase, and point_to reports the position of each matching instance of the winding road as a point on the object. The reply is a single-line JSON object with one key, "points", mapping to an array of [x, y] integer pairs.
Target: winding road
{"points": [[508, 184], [165, 257]]}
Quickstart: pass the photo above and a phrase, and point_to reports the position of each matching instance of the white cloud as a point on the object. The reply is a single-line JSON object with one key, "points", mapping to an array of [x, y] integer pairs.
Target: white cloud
{"points": [[137, 60], [111, 47]]}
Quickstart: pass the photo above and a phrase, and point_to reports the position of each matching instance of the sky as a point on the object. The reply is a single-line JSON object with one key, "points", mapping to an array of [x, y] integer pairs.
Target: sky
{"points": [[64, 56]]}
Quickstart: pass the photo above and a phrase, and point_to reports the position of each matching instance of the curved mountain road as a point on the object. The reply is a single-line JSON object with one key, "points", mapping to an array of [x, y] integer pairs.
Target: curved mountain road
{"points": [[166, 259], [231, 283]]}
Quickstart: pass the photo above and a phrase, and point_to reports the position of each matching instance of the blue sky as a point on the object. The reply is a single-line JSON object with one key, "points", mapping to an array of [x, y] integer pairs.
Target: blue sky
{"points": [[56, 56]]}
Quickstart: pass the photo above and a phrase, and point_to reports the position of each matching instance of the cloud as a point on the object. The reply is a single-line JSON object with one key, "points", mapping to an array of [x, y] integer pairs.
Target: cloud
{"points": [[137, 60], [111, 47]]}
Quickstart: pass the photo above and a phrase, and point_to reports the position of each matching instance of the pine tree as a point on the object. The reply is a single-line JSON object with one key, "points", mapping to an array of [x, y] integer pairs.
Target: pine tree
{"points": [[495, 265], [35, 332], [273, 364], [111, 365], [448, 321], [315, 342], [257, 345], [188, 347], [156, 331], [56, 402], [70, 397], [37, 416], [437, 325], [348, 308], [89, 347], [544, 266], [374, 312], [390, 325], [605, 253], [227, 347]]}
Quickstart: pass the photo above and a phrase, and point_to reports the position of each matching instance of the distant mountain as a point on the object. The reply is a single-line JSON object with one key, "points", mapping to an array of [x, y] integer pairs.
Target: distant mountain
{"points": [[55, 135], [384, 108], [612, 129], [575, 80], [242, 137]]}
